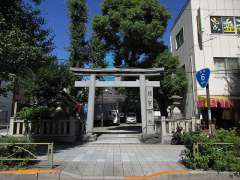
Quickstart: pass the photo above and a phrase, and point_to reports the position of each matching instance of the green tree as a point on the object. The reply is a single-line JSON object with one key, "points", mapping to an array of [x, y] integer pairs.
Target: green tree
{"points": [[45, 86], [24, 43], [132, 29], [78, 15], [173, 80], [97, 53]]}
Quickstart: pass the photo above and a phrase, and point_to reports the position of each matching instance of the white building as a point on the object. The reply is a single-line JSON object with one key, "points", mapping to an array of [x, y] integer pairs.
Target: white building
{"points": [[206, 34]]}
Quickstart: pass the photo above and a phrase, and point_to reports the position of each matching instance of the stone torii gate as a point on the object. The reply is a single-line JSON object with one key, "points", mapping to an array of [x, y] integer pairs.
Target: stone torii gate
{"points": [[146, 90]]}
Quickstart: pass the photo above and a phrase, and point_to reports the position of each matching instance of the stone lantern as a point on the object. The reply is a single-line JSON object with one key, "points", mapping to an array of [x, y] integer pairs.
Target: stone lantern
{"points": [[175, 107]]}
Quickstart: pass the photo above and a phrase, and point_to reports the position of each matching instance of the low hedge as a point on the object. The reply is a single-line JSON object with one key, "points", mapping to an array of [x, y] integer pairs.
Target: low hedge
{"points": [[220, 157], [12, 151]]}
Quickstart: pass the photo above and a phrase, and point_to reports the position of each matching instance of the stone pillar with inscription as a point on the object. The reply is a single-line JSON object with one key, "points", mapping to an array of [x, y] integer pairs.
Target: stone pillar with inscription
{"points": [[149, 110]]}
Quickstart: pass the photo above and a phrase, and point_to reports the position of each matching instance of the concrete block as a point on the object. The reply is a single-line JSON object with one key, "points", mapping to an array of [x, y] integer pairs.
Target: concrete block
{"points": [[49, 176], [18, 177], [7, 177], [90, 138]]}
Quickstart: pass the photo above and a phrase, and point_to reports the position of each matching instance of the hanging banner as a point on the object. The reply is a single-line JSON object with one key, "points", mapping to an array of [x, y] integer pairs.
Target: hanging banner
{"points": [[228, 24], [237, 20], [216, 24]]}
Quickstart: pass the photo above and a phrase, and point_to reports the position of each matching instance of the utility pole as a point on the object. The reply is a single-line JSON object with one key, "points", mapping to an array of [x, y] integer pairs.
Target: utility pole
{"points": [[209, 110], [102, 109], [202, 77]]}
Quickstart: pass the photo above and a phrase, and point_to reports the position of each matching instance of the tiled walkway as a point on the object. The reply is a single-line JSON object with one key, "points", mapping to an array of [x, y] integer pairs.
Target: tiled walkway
{"points": [[118, 160]]}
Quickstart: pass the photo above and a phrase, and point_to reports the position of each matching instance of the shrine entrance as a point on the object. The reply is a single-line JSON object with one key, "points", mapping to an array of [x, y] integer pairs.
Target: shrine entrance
{"points": [[141, 82]]}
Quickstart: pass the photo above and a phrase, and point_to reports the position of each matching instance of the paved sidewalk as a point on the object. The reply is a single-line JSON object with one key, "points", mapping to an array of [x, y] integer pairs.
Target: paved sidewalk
{"points": [[118, 160]]}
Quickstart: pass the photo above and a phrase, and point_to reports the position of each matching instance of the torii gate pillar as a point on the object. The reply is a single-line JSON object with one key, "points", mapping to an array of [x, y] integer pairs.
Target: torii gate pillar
{"points": [[146, 98], [91, 99]]}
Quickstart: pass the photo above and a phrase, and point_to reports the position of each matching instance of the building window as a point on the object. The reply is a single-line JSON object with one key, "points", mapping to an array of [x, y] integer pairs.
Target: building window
{"points": [[179, 39], [226, 66], [225, 24]]}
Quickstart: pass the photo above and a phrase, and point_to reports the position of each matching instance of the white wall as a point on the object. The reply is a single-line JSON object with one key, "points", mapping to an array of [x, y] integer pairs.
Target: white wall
{"points": [[214, 45], [186, 55]]}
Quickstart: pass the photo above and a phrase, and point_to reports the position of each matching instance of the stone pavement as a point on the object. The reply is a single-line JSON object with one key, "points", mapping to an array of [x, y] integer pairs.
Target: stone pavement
{"points": [[121, 129], [118, 139], [117, 160]]}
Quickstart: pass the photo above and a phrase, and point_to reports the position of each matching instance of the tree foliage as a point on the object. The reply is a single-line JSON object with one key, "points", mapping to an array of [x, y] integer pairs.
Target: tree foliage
{"points": [[78, 15], [46, 85], [173, 81], [132, 29], [97, 53], [24, 43]]}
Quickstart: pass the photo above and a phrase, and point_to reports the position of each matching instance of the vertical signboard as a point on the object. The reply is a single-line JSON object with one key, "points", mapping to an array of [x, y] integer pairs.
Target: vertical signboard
{"points": [[216, 24], [228, 24], [149, 101], [149, 91]]}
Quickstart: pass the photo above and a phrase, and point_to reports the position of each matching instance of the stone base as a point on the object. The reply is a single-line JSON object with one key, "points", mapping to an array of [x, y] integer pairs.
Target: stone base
{"points": [[166, 139], [150, 138], [89, 137]]}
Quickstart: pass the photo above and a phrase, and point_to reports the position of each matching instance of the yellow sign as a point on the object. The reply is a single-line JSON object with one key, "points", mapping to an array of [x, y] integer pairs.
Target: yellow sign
{"points": [[229, 29]]}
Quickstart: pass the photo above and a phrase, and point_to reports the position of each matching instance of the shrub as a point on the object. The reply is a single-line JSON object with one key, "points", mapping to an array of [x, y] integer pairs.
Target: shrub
{"points": [[14, 151], [220, 157]]}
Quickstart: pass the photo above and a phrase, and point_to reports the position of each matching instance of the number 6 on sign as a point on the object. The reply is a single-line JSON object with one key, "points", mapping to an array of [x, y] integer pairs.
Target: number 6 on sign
{"points": [[202, 77]]}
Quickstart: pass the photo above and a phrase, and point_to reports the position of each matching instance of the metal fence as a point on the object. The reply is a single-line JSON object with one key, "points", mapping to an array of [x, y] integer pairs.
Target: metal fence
{"points": [[30, 155]]}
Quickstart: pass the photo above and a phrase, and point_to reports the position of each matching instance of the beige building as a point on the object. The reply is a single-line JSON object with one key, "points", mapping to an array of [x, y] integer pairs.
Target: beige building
{"points": [[206, 34]]}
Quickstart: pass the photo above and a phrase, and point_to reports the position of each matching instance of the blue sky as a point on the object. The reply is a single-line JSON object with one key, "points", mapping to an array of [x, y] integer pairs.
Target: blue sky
{"points": [[56, 16]]}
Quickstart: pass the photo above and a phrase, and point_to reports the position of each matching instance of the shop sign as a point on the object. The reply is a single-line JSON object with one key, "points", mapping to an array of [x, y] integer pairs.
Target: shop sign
{"points": [[215, 103], [225, 24], [228, 25], [216, 24]]}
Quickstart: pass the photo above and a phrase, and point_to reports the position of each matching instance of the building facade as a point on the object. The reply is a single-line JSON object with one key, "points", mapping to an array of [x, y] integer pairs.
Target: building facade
{"points": [[206, 34]]}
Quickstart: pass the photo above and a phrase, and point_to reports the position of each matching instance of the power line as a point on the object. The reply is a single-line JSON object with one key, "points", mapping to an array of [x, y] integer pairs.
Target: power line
{"points": [[222, 71], [205, 9]]}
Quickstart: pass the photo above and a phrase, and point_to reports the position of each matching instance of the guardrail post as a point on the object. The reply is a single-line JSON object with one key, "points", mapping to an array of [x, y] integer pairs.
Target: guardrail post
{"points": [[163, 125], [11, 128], [195, 149], [193, 124], [50, 154]]}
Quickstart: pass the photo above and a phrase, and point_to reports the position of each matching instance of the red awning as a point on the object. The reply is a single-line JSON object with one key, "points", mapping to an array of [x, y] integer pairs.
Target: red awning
{"points": [[216, 101]]}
